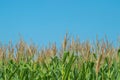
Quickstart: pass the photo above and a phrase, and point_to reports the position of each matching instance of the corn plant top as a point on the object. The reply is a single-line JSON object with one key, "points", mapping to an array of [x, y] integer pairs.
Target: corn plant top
{"points": [[75, 60]]}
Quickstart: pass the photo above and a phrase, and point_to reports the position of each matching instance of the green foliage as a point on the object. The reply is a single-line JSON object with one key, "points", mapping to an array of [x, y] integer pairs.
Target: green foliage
{"points": [[59, 69]]}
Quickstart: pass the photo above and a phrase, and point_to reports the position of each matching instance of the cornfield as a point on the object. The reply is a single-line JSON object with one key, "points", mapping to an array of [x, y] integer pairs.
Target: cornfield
{"points": [[74, 60]]}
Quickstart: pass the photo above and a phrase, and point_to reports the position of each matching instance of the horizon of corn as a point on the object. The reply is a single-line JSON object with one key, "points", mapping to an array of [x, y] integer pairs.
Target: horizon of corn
{"points": [[74, 60]]}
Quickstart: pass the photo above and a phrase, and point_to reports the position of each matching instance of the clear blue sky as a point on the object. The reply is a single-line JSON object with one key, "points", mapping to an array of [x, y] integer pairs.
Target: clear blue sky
{"points": [[48, 20]]}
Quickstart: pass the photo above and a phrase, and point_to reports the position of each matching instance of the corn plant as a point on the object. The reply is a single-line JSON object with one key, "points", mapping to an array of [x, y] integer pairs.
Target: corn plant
{"points": [[75, 60]]}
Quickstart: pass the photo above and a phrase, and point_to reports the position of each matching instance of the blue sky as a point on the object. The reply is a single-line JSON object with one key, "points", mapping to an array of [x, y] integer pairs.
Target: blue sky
{"points": [[48, 20]]}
